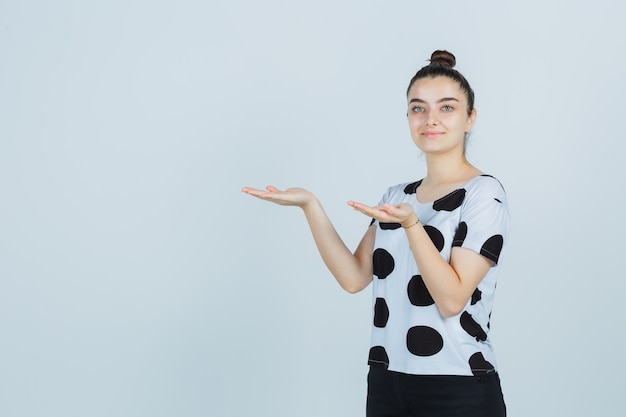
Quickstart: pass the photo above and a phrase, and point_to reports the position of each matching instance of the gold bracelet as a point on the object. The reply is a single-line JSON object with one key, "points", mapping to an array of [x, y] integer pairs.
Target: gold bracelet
{"points": [[414, 224]]}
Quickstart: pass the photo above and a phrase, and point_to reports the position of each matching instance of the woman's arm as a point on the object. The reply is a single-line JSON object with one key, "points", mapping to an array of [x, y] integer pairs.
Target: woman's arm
{"points": [[352, 271], [450, 284]]}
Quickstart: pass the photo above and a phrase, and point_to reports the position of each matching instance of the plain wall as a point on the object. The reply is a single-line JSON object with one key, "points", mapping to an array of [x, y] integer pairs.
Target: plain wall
{"points": [[137, 280]]}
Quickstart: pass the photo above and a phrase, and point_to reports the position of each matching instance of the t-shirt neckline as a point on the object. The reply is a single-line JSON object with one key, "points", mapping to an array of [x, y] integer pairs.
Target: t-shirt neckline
{"points": [[427, 203]]}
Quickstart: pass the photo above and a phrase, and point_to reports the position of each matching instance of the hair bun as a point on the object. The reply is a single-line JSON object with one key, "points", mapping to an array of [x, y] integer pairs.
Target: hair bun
{"points": [[444, 58]]}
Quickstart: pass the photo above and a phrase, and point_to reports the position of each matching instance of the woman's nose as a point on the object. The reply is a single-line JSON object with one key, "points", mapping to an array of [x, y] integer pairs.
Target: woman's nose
{"points": [[432, 119]]}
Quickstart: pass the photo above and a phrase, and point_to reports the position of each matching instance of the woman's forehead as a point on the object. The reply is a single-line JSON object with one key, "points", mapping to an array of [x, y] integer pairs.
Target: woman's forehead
{"points": [[435, 88]]}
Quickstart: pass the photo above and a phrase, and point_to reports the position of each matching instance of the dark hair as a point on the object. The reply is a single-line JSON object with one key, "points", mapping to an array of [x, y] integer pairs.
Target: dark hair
{"points": [[442, 65]]}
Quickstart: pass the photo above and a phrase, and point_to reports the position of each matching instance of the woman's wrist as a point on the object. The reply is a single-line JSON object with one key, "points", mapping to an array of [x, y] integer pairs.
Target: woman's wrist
{"points": [[311, 205], [410, 222]]}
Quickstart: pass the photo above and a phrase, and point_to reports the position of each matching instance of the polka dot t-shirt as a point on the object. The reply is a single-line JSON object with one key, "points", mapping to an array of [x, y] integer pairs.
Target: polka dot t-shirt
{"points": [[409, 334]]}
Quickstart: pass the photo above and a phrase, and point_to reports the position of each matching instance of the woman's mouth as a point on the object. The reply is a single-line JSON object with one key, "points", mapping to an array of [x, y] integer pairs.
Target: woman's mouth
{"points": [[432, 134]]}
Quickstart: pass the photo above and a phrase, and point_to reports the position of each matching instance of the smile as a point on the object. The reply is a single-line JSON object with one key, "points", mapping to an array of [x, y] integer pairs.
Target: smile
{"points": [[432, 134]]}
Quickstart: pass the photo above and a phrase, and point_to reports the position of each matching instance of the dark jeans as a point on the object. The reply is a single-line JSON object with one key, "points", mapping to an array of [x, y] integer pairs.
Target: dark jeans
{"points": [[394, 394]]}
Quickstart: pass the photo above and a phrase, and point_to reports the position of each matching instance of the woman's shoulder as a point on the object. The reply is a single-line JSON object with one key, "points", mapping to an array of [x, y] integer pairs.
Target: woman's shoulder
{"points": [[486, 184]]}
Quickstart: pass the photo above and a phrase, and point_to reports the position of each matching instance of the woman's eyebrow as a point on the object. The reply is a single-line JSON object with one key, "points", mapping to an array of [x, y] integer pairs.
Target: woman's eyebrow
{"points": [[419, 100]]}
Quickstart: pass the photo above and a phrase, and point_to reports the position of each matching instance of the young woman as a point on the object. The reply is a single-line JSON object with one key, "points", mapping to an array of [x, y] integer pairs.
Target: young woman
{"points": [[432, 252]]}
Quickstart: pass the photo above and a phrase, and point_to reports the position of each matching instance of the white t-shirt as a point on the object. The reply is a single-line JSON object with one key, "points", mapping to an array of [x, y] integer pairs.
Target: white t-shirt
{"points": [[409, 334]]}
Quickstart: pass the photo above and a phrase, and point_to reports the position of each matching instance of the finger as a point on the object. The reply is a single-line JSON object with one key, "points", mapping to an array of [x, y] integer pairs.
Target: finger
{"points": [[359, 207], [272, 189], [389, 208], [252, 191], [399, 211], [374, 212]]}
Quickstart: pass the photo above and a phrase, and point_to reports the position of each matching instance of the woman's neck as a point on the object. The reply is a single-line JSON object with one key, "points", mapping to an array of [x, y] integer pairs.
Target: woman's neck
{"points": [[448, 169]]}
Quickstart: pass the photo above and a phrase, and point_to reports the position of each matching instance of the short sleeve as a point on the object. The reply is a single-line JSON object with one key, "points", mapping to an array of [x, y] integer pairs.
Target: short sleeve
{"points": [[484, 220]]}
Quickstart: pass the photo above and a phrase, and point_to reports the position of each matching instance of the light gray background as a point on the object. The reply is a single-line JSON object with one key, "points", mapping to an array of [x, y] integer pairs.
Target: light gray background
{"points": [[137, 280]]}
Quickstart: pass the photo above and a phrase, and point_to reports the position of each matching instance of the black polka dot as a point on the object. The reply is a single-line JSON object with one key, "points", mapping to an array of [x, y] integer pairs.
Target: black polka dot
{"points": [[460, 234], [390, 226], [383, 263], [476, 296], [436, 236], [451, 201], [497, 200], [423, 341], [418, 293], [471, 327], [479, 365], [492, 247], [411, 188], [378, 357], [381, 312]]}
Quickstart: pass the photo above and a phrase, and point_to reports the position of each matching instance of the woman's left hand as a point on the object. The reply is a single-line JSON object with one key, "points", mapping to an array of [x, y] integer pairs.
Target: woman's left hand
{"points": [[388, 213]]}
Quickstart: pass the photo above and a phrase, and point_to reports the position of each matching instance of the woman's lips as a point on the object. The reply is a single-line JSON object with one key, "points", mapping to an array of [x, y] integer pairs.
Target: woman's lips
{"points": [[432, 134]]}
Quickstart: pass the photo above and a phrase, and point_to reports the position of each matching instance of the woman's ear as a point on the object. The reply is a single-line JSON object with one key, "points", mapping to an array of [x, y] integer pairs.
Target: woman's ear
{"points": [[471, 120]]}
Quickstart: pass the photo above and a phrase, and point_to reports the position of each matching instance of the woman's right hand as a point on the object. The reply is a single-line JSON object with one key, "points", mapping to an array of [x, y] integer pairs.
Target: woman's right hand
{"points": [[290, 197], [352, 271]]}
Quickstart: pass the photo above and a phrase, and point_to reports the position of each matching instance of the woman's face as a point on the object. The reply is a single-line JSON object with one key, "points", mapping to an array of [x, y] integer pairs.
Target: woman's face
{"points": [[437, 115]]}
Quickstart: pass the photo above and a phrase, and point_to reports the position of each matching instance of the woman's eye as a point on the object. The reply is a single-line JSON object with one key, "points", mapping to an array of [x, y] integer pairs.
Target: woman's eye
{"points": [[418, 109], [447, 107]]}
